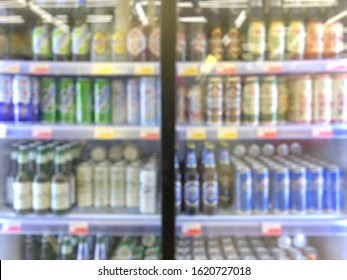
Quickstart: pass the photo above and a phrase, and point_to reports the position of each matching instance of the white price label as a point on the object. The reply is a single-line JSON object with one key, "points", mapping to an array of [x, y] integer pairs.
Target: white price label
{"points": [[271, 228], [78, 228], [191, 229]]}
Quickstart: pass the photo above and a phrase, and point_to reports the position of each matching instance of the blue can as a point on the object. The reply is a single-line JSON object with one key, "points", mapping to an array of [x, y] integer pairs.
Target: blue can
{"points": [[315, 188], [260, 190], [22, 92], [280, 190], [35, 99], [298, 189], [333, 191], [243, 189], [5, 97]]}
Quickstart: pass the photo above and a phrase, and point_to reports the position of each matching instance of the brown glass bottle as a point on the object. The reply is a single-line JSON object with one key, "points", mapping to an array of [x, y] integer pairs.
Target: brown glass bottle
{"points": [[233, 44], [198, 42], [215, 36], [136, 40], [181, 42], [80, 43]]}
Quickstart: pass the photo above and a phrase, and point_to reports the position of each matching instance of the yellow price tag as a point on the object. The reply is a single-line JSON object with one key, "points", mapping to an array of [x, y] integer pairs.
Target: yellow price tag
{"points": [[144, 70], [13, 69], [196, 134], [227, 133], [102, 69], [104, 133], [189, 71]]}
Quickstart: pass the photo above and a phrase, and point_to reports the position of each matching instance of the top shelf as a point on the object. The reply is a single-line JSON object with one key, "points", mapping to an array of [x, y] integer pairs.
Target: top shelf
{"points": [[184, 69]]}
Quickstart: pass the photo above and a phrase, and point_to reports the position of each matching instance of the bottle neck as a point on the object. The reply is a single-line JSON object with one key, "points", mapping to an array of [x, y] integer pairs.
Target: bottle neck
{"points": [[42, 167], [59, 168], [23, 167]]}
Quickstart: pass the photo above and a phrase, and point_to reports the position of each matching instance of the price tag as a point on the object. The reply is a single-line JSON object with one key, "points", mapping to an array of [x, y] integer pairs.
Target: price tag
{"points": [[191, 229], [226, 69], [273, 67], [336, 66], [322, 132], [102, 69], [196, 134], [11, 227], [78, 228], [39, 68], [227, 133], [149, 134], [13, 69], [144, 70], [104, 133], [267, 132], [188, 71], [271, 229], [42, 133], [3, 131]]}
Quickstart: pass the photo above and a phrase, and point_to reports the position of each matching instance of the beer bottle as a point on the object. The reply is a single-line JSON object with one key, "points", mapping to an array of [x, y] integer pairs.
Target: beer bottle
{"points": [[333, 35], [80, 36], [276, 32], [60, 195], [32, 157], [136, 39], [83, 249], [314, 34], [191, 182], [58, 251], [41, 43], [4, 38], [29, 248], [198, 42], [11, 175], [41, 183], [210, 182], [181, 42], [22, 186], [100, 252], [224, 175], [153, 33], [61, 38], [70, 173], [178, 185], [45, 249], [67, 249], [256, 33], [233, 40], [215, 38]]}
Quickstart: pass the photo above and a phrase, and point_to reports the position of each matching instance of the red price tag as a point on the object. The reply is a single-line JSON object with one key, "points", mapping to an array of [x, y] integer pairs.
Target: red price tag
{"points": [[11, 228], [78, 228], [271, 229], [273, 68], [267, 132], [42, 133], [322, 132], [226, 69], [149, 134], [191, 229], [39, 68]]}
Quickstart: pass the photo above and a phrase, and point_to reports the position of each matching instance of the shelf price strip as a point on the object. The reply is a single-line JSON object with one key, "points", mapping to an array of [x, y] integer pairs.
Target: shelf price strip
{"points": [[78, 228], [11, 227], [267, 132], [191, 229], [144, 70], [42, 133], [226, 69], [102, 69], [188, 71], [149, 134], [227, 133], [41, 68], [104, 133], [196, 133], [322, 132], [273, 68], [271, 229]]}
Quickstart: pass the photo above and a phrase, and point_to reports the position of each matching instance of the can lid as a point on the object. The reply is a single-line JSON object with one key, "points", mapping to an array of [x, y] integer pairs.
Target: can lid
{"points": [[131, 152], [282, 149], [98, 153], [284, 242], [239, 150], [268, 150], [115, 152], [296, 148], [254, 150], [299, 240]]}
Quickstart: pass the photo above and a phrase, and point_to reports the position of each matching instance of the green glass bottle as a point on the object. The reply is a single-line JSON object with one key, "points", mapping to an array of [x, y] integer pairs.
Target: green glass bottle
{"points": [[66, 249], [45, 249]]}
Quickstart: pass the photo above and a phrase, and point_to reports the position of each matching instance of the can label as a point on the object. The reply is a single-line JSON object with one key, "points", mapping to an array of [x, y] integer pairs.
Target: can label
{"points": [[314, 38], [301, 90], [147, 201], [99, 43], [250, 102], [84, 186], [80, 44], [41, 195], [101, 186], [333, 193], [117, 185], [322, 99], [210, 193], [282, 101], [66, 106], [261, 192], [256, 38], [233, 48], [191, 194], [60, 196], [268, 101], [5, 98], [22, 98], [315, 201], [214, 103], [60, 42], [148, 96], [280, 199], [118, 101], [339, 100], [22, 194], [132, 186], [136, 41], [35, 99], [84, 101], [118, 43], [298, 186], [296, 39], [195, 110], [232, 102], [333, 39], [178, 194], [41, 38], [48, 104], [133, 101], [154, 42], [216, 43], [102, 102], [276, 39], [243, 192]]}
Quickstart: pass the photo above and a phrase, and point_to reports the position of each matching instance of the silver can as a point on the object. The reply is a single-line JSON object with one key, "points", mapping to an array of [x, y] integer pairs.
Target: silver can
{"points": [[84, 176], [101, 184], [148, 189], [132, 184], [117, 184], [322, 99], [118, 102], [148, 101], [133, 102]]}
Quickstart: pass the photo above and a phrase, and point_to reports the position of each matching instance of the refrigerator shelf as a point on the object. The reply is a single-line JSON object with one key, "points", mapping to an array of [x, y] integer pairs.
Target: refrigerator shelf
{"points": [[78, 132], [227, 224], [115, 221], [285, 131], [73, 68], [188, 69]]}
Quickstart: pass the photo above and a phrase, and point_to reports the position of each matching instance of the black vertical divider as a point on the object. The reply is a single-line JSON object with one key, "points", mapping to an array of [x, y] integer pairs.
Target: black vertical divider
{"points": [[168, 92]]}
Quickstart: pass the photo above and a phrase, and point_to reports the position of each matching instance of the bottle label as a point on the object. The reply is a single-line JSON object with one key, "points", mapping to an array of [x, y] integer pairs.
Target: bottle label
{"points": [[41, 196], [210, 193], [234, 49], [80, 44], [256, 37], [60, 196], [118, 43], [192, 193], [66, 250], [225, 189], [154, 42], [22, 195], [40, 37], [48, 104], [216, 43], [178, 193], [333, 38], [296, 37], [181, 44], [61, 42], [314, 38], [67, 99], [136, 41], [276, 38], [250, 100], [199, 43], [268, 98], [99, 43], [195, 111]]}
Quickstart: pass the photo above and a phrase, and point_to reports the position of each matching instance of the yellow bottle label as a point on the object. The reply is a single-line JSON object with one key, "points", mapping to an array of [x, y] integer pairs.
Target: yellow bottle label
{"points": [[118, 43], [256, 37], [99, 43]]}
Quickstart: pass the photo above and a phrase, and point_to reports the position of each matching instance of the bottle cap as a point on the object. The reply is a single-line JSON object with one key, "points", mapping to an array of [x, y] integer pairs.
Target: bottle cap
{"points": [[239, 150]]}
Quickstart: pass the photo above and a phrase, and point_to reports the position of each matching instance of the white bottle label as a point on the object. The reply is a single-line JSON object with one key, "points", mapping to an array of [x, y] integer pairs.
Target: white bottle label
{"points": [[41, 196], [22, 196], [84, 186], [60, 197]]}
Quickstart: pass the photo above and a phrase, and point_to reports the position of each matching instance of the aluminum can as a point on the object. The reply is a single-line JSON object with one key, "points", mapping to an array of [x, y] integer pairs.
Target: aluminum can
{"points": [[102, 104], [35, 99], [214, 101], [181, 102], [48, 97], [251, 100], [260, 191], [117, 184], [21, 98], [84, 101], [148, 189], [339, 99], [280, 190], [5, 97], [315, 189], [256, 39], [314, 39], [101, 184], [84, 178], [333, 39], [295, 39], [268, 100], [333, 192], [118, 102], [298, 189], [133, 107], [321, 99], [195, 105], [148, 98], [132, 184], [232, 100], [276, 39], [282, 100], [66, 103], [301, 99], [243, 189]]}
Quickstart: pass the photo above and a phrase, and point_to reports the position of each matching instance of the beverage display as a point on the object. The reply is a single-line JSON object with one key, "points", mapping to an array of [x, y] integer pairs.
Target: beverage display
{"points": [[90, 247], [63, 175], [266, 181], [244, 248]]}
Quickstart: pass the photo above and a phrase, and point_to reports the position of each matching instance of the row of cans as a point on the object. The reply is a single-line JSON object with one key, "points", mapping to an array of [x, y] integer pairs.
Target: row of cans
{"points": [[134, 101], [119, 184], [269, 100], [241, 248]]}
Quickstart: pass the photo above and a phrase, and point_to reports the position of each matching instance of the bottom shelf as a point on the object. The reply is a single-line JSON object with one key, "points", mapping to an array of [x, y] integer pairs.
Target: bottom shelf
{"points": [[115, 221]]}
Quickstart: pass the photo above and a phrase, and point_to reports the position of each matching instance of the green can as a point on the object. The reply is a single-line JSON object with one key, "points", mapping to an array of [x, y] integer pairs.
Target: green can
{"points": [[66, 102], [268, 100], [84, 101], [102, 101], [48, 97]]}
